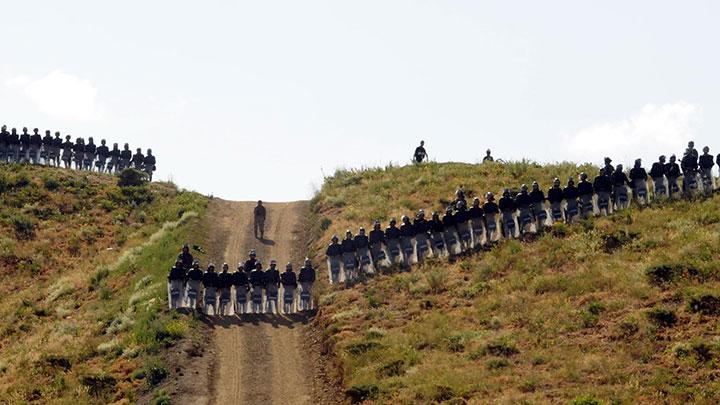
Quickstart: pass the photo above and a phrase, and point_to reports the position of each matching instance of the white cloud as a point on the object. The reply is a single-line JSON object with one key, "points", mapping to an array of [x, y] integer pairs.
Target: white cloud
{"points": [[59, 95], [653, 131]]}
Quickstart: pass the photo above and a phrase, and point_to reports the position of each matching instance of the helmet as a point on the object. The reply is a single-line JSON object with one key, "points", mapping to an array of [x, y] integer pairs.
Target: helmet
{"points": [[638, 162], [571, 181], [608, 160], [178, 261], [404, 219], [361, 231], [258, 264], [348, 232], [619, 168], [149, 152], [691, 144], [307, 261], [706, 149], [67, 137], [461, 204], [241, 267], [334, 238], [490, 196], [273, 262], [448, 209], [506, 192], [393, 221], [225, 266], [196, 262], [185, 247], [662, 158], [47, 132], [252, 253], [90, 139], [211, 266], [435, 214], [602, 171], [476, 202], [421, 213], [524, 187], [672, 158], [376, 225], [488, 151], [35, 129], [583, 176], [535, 185], [556, 182], [102, 142], [288, 266]]}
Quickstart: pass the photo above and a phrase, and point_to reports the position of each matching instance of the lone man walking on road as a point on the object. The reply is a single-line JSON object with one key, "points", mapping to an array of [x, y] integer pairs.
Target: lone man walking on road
{"points": [[259, 215]]}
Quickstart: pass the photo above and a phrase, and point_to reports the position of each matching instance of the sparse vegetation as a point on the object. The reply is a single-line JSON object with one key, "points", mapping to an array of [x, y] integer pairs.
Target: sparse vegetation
{"points": [[606, 311], [74, 246]]}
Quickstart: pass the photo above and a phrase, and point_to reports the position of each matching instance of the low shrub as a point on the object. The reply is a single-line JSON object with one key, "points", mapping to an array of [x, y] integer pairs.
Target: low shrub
{"points": [[706, 304], [359, 348], [662, 317], [669, 273], [155, 373], [362, 392], [98, 385], [500, 348]]}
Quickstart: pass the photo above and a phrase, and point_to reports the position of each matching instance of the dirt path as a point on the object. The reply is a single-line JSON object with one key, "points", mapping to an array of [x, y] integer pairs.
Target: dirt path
{"points": [[260, 359]]}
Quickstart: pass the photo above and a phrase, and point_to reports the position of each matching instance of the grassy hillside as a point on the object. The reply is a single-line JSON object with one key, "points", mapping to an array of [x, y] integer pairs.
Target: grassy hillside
{"points": [[82, 280], [619, 310]]}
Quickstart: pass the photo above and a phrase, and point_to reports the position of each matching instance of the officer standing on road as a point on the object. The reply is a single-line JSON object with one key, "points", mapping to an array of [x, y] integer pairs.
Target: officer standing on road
{"points": [[259, 214]]}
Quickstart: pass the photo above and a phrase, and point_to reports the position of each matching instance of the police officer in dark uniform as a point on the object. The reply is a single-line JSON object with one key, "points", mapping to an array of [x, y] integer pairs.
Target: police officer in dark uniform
{"points": [[638, 181], [57, 146], [210, 283], [491, 210], [242, 287], [13, 147], [225, 282], [585, 191], [272, 287], [603, 188], [657, 173], [47, 148], [524, 206], [672, 172], [67, 155], [689, 165], [89, 155], [251, 262], [149, 164], [392, 238], [420, 153], [138, 159], [334, 254], [125, 158], [25, 145], [102, 155], [79, 153], [507, 208], [176, 277], [306, 278], [620, 182], [609, 168], [706, 163], [3, 143], [257, 281], [35, 146], [288, 279], [185, 257], [555, 198]]}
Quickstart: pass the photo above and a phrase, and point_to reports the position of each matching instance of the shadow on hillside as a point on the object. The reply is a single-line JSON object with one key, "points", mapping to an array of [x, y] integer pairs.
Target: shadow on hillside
{"points": [[279, 320], [267, 242]]}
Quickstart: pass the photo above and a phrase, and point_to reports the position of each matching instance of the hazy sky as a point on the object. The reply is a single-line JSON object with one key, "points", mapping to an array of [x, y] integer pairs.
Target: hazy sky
{"points": [[257, 99]]}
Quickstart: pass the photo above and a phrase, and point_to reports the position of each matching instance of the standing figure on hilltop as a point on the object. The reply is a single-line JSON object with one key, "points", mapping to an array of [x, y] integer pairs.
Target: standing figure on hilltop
{"points": [[13, 147], [490, 209], [125, 157], [67, 152], [25, 146], [102, 152], [524, 206], [422, 246], [377, 246], [657, 174], [705, 161], [539, 212], [259, 214], [691, 149], [47, 149], [555, 198], [35, 146], [79, 153], [138, 159], [113, 159], [488, 157], [620, 182], [586, 191], [349, 262], [672, 172], [420, 153], [603, 188], [689, 165], [57, 146], [477, 219], [149, 164], [638, 179], [362, 244], [90, 149]]}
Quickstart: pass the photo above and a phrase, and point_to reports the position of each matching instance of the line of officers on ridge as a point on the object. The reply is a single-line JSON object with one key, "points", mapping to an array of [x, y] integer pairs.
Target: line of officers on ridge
{"points": [[462, 229], [227, 293], [36, 149]]}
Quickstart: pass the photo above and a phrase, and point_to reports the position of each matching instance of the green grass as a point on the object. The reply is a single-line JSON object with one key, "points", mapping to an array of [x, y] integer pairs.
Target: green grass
{"points": [[88, 263], [591, 313]]}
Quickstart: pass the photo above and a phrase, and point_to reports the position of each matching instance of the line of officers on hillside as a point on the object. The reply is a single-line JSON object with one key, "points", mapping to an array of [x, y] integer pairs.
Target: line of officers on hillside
{"points": [[515, 215], [249, 289], [36, 149]]}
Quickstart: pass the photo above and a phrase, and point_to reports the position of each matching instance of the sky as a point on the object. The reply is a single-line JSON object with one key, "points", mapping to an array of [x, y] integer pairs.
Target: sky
{"points": [[251, 100]]}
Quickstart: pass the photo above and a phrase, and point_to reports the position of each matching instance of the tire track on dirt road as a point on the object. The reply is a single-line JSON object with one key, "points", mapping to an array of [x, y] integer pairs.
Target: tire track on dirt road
{"points": [[260, 359]]}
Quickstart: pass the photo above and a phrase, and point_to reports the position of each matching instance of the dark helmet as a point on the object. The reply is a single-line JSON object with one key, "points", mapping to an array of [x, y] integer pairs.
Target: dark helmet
{"points": [[571, 181], [691, 144], [57, 134], [149, 152], [583, 176], [240, 267], [273, 263], [435, 215], [393, 221], [535, 185], [556, 182], [449, 209], [308, 262], [608, 160], [90, 140], [376, 225], [476, 202], [619, 168], [524, 188], [706, 149], [139, 150], [506, 192], [258, 265], [421, 213], [178, 261], [662, 158], [334, 238], [115, 146], [405, 219], [35, 130], [361, 231], [252, 253], [487, 151], [196, 263], [673, 158], [185, 247], [102, 142], [68, 137], [288, 266], [225, 267], [211, 267], [461, 205], [638, 162], [489, 196], [602, 171], [348, 233], [47, 132], [127, 146]]}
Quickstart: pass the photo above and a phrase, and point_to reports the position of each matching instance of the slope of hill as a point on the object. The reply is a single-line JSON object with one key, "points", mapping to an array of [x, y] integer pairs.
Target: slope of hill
{"points": [[82, 279], [621, 309]]}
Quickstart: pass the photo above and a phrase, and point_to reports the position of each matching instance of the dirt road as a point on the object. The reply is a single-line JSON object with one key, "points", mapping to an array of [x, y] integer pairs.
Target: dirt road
{"points": [[260, 359]]}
